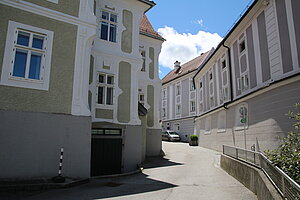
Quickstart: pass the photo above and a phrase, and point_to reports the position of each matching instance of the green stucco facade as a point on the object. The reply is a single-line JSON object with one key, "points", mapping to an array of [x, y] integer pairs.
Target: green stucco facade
{"points": [[104, 113], [126, 41], [151, 65], [58, 99], [124, 99], [150, 101], [70, 7]]}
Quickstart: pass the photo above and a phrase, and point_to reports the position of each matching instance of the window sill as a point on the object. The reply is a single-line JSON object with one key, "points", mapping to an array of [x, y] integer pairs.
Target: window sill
{"points": [[104, 106]]}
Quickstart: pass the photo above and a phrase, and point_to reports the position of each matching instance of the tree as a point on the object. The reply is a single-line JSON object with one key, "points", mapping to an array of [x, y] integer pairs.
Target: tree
{"points": [[287, 155]]}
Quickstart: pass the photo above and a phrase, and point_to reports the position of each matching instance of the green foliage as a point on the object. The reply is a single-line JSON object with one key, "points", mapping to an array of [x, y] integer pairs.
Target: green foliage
{"points": [[287, 155], [194, 137]]}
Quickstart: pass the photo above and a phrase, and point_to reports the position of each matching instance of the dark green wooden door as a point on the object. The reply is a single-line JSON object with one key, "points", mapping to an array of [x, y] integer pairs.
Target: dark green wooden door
{"points": [[106, 156]]}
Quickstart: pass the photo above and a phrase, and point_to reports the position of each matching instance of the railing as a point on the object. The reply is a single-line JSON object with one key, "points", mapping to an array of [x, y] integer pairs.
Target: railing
{"points": [[287, 187]]}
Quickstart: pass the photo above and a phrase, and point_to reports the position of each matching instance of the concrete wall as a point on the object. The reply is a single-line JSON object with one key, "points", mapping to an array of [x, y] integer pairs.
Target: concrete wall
{"points": [[251, 177], [132, 153], [153, 145], [267, 120], [30, 145]]}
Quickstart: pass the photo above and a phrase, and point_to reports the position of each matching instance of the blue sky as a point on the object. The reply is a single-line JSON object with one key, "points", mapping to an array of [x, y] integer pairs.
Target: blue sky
{"points": [[191, 27]]}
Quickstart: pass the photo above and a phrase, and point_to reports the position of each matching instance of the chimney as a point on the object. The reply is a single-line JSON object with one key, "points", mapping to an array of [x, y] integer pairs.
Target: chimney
{"points": [[177, 65]]}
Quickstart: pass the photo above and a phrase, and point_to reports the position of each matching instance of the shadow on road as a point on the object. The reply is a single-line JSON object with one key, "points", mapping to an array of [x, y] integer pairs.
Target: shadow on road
{"points": [[155, 162]]}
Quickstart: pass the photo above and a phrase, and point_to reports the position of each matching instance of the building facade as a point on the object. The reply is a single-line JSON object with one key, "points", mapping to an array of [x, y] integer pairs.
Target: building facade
{"points": [[44, 45], [124, 73], [178, 102], [251, 81], [69, 79]]}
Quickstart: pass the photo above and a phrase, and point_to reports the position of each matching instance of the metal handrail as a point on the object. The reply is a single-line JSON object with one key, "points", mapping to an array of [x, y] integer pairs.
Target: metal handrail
{"points": [[286, 186]]}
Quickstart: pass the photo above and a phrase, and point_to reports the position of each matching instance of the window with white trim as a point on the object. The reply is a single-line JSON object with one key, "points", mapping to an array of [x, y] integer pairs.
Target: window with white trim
{"points": [[201, 107], [163, 112], [105, 89], [224, 90], [192, 106], [142, 98], [178, 109], [211, 89], [143, 54], [178, 89], [108, 30], [27, 57], [243, 80]]}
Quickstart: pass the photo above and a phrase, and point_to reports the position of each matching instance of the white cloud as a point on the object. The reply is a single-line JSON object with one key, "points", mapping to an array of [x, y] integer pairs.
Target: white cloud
{"points": [[184, 47]]}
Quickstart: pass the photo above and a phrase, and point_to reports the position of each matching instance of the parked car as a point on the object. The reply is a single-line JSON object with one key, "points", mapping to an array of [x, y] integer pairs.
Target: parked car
{"points": [[170, 136]]}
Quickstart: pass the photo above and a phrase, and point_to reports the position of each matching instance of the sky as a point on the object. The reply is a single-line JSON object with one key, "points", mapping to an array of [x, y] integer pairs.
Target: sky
{"points": [[191, 27]]}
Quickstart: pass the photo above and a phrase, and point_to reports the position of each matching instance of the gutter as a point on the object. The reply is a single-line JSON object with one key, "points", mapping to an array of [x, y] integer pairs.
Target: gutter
{"points": [[230, 76], [150, 3]]}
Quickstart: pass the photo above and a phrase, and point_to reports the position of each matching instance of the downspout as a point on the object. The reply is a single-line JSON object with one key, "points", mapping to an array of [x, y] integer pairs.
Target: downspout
{"points": [[230, 76]]}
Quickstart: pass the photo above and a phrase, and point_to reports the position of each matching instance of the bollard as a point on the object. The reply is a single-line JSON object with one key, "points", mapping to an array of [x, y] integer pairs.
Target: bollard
{"points": [[59, 178]]}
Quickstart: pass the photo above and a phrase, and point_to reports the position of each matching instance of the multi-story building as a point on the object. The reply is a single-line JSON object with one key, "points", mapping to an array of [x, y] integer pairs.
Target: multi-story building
{"points": [[178, 106], [44, 46], [251, 81], [70, 78], [124, 72]]}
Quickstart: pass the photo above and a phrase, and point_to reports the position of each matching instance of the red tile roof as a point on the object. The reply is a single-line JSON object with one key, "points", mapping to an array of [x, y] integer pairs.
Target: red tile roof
{"points": [[186, 68], [147, 29]]}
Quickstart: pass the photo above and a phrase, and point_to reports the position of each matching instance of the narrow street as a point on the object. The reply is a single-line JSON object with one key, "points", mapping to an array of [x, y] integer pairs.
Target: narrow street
{"points": [[184, 173]]}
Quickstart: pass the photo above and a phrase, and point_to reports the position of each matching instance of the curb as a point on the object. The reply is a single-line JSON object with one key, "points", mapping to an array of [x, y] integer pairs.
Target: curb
{"points": [[139, 170], [41, 186]]}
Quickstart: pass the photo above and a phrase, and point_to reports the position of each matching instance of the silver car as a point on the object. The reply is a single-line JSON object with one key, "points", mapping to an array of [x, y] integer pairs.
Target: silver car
{"points": [[170, 136]]}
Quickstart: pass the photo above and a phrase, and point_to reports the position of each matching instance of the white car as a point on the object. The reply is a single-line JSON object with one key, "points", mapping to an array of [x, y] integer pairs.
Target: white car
{"points": [[170, 136]]}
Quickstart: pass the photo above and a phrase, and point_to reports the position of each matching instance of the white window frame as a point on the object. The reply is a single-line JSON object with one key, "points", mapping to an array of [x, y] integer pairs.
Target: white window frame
{"points": [[105, 85], [109, 23], [192, 106], [201, 105], [143, 55], [211, 85], [9, 57], [224, 91], [176, 127], [141, 94], [243, 81]]}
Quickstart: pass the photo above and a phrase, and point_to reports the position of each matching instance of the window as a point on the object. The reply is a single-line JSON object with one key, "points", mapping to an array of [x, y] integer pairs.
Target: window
{"points": [[178, 107], [223, 64], [164, 94], [164, 112], [224, 82], [108, 132], [177, 89], [142, 98], [27, 58], [108, 26], [242, 46], [143, 53], [192, 106], [200, 84], [105, 89], [243, 82]]}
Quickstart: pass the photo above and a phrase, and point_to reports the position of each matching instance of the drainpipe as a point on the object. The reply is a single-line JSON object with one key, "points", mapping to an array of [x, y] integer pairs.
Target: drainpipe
{"points": [[230, 76]]}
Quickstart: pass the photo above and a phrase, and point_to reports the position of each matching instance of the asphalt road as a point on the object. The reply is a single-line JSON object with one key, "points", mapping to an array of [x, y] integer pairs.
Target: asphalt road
{"points": [[184, 173]]}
